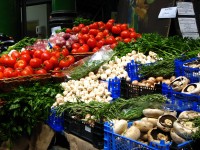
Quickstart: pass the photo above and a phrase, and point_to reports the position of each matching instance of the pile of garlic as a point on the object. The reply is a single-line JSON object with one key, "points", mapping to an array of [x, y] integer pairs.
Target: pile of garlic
{"points": [[116, 67]]}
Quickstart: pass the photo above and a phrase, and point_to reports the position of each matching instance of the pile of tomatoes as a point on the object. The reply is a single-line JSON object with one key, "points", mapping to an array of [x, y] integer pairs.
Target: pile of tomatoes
{"points": [[30, 62], [92, 37]]}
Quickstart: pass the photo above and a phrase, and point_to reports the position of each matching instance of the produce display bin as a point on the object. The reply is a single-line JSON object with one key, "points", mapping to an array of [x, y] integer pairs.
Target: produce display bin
{"points": [[113, 141], [193, 74], [92, 134], [55, 121], [132, 69], [114, 86], [180, 101], [128, 90]]}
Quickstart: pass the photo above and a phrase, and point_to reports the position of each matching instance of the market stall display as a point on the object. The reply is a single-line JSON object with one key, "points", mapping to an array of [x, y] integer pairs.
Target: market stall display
{"points": [[83, 103]]}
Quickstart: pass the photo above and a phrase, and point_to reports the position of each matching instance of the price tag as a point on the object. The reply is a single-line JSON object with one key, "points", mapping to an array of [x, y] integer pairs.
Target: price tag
{"points": [[185, 8], [169, 12], [88, 129], [187, 25]]}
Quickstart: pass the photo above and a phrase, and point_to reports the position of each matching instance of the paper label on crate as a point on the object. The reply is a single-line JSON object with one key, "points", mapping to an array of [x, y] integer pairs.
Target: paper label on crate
{"points": [[185, 8], [88, 129], [191, 35], [187, 25], [169, 12]]}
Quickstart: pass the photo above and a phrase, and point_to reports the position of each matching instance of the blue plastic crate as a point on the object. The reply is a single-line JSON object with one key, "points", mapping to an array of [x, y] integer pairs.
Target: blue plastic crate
{"points": [[180, 101], [132, 69], [56, 122], [193, 74], [113, 141], [114, 86]]}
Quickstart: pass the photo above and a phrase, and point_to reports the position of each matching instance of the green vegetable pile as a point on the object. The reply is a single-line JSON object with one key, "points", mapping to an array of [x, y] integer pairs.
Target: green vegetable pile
{"points": [[25, 108], [196, 135], [167, 48], [26, 41], [80, 20], [120, 109]]}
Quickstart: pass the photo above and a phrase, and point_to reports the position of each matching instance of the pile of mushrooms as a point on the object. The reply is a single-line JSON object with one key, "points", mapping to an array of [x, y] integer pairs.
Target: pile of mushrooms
{"points": [[181, 84], [159, 125]]}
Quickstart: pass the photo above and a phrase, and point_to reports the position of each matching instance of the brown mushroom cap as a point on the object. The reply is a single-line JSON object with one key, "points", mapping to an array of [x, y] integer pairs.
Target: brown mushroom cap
{"points": [[193, 88], [188, 114], [176, 138], [179, 83], [184, 128], [155, 135], [165, 122]]}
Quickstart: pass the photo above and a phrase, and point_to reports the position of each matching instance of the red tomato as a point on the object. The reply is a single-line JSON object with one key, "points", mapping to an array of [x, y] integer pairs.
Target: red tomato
{"points": [[57, 69], [124, 26], [101, 24], [95, 49], [29, 68], [67, 61], [56, 53], [105, 32], [15, 54], [26, 72], [65, 52], [109, 25], [41, 71], [71, 59], [110, 40], [85, 30], [99, 36], [131, 29], [11, 61], [100, 43], [81, 25], [35, 62], [68, 30], [1, 75], [111, 20], [127, 40], [7, 73], [2, 68], [37, 54], [26, 57], [54, 61], [76, 29], [48, 65], [93, 32], [75, 45], [20, 64], [32, 52], [94, 25], [116, 30], [133, 35], [125, 34], [64, 63], [81, 41], [113, 45], [91, 42], [86, 37], [25, 52], [74, 50], [83, 49], [118, 38], [80, 35], [46, 55], [56, 48]]}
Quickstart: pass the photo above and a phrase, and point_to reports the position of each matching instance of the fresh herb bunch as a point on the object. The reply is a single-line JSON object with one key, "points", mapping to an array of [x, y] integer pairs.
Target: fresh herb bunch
{"points": [[25, 108], [61, 30], [119, 109], [123, 48], [26, 41], [80, 20], [196, 122], [167, 48]]}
